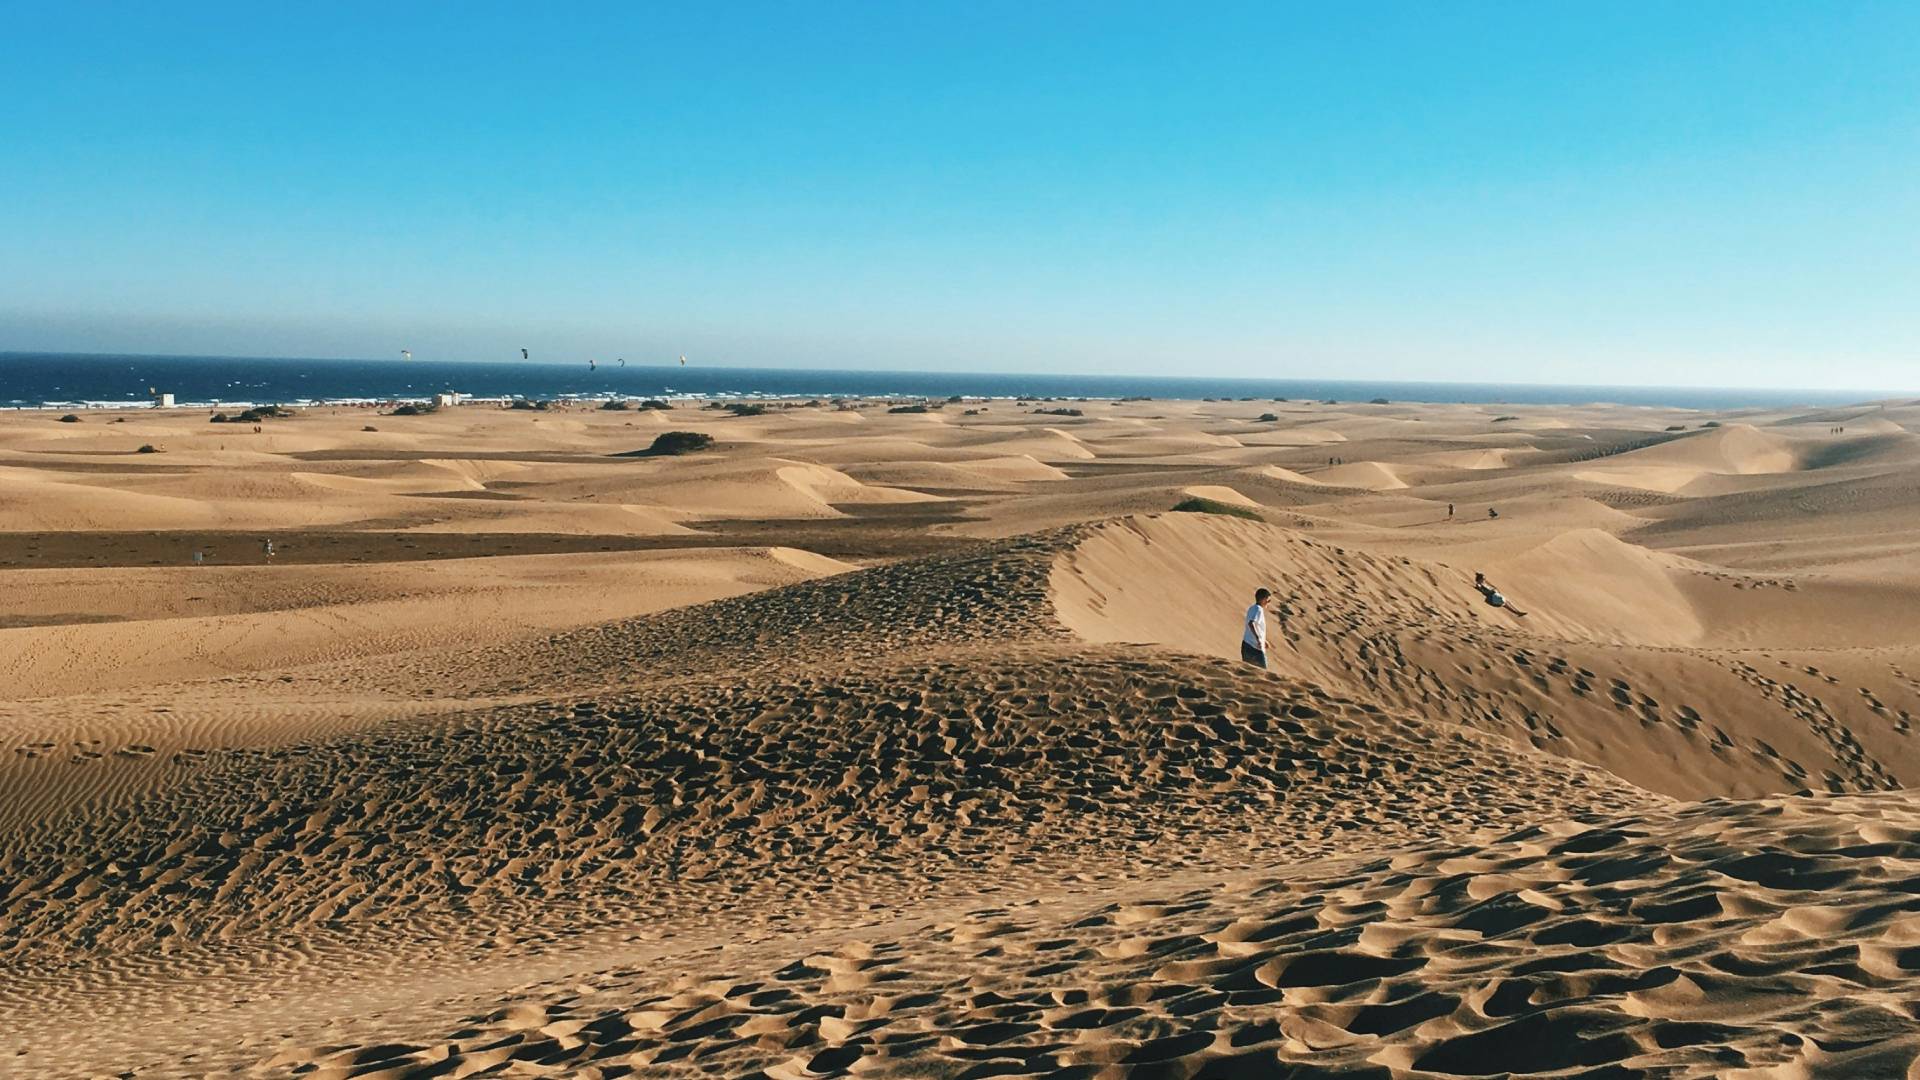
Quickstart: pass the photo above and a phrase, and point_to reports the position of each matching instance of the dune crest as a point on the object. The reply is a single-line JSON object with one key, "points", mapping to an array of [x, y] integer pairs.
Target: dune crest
{"points": [[1372, 475]]}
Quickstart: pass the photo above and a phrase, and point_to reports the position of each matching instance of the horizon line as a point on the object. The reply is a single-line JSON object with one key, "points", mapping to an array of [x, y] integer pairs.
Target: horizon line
{"points": [[1882, 392]]}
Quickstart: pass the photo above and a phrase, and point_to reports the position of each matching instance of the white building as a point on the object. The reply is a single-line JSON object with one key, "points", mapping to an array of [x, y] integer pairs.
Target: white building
{"points": [[445, 401], [163, 401]]}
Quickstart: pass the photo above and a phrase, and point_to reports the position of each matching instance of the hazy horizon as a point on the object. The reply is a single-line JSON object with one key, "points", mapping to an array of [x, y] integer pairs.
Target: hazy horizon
{"points": [[1716, 195], [1868, 393]]}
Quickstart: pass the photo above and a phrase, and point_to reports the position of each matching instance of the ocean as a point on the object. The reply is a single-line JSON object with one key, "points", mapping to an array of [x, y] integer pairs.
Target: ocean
{"points": [[70, 380]]}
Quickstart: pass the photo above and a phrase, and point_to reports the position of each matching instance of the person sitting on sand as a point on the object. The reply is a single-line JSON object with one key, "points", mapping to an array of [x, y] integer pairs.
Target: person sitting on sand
{"points": [[1494, 599], [1253, 639]]}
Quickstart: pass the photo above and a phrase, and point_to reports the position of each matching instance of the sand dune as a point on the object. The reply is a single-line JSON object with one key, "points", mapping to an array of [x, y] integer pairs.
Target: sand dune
{"points": [[992, 473], [1219, 493], [1643, 601], [1372, 475], [468, 600], [1045, 444], [1286, 476], [1337, 968], [874, 744], [1736, 449], [1497, 457], [1583, 674]]}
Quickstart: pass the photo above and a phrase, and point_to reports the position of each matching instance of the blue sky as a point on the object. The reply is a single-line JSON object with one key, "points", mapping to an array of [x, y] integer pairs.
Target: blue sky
{"points": [[1692, 193]]}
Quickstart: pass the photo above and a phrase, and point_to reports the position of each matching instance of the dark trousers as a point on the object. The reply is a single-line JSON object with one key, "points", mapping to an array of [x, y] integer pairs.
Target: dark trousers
{"points": [[1253, 655]]}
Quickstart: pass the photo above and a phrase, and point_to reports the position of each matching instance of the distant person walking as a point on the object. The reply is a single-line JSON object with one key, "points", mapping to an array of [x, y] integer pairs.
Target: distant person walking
{"points": [[267, 547], [1253, 636], [1449, 509]]}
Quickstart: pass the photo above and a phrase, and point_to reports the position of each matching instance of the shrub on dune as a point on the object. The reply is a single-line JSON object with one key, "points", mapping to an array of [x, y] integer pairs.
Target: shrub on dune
{"points": [[1197, 505], [671, 443]]}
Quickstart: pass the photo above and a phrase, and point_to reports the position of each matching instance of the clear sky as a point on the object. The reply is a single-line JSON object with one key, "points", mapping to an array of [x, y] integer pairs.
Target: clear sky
{"points": [[1694, 193]]}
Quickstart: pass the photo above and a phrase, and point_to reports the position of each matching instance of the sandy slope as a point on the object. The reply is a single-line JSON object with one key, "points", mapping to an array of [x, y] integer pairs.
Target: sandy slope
{"points": [[178, 624], [447, 789]]}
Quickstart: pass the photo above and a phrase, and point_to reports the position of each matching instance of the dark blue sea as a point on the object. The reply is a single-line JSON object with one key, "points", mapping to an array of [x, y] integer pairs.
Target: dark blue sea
{"points": [[69, 380]]}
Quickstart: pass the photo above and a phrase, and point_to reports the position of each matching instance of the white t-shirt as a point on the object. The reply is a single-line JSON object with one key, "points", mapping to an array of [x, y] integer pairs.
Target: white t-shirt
{"points": [[1256, 628]]}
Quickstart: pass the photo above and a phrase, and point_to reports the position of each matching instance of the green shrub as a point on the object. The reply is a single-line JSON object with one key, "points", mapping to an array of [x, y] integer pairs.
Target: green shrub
{"points": [[679, 442], [1198, 505]]}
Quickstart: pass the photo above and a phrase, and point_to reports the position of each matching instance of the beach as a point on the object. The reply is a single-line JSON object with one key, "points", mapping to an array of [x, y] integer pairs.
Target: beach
{"points": [[903, 738]]}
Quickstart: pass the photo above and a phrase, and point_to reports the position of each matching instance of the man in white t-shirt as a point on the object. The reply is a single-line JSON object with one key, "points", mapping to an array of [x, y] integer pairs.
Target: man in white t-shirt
{"points": [[1253, 636]]}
